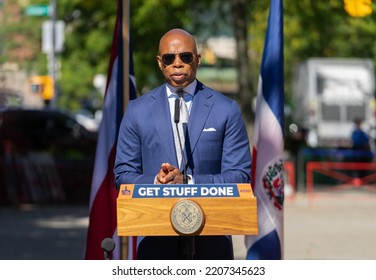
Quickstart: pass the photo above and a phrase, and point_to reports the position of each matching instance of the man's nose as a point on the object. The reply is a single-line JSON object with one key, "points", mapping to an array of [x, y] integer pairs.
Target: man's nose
{"points": [[177, 61]]}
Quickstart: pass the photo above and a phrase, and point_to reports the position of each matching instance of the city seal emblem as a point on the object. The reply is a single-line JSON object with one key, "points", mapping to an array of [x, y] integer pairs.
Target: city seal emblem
{"points": [[187, 217]]}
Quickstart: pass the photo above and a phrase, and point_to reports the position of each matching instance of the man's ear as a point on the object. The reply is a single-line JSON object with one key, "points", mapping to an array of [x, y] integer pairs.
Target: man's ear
{"points": [[160, 64], [198, 60]]}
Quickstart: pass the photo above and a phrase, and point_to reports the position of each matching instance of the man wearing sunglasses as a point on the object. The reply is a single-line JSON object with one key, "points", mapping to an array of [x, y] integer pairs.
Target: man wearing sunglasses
{"points": [[216, 144]]}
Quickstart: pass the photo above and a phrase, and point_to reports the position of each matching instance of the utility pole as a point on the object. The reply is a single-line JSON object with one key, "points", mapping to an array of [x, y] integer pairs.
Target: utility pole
{"points": [[52, 54]]}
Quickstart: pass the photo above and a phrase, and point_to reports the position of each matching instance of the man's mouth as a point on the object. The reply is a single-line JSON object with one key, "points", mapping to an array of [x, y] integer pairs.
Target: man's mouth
{"points": [[178, 76]]}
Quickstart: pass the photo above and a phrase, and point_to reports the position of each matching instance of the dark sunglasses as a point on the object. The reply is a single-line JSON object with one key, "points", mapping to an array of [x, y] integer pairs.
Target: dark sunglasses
{"points": [[169, 58]]}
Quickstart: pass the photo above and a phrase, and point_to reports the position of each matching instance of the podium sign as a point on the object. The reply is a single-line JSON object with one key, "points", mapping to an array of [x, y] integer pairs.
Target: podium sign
{"points": [[167, 210]]}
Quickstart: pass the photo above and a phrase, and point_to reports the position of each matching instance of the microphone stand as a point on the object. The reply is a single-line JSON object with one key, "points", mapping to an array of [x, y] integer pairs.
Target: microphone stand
{"points": [[187, 240]]}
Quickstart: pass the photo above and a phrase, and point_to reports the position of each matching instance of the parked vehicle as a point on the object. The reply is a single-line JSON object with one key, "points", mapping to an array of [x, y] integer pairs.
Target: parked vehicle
{"points": [[45, 156], [328, 94]]}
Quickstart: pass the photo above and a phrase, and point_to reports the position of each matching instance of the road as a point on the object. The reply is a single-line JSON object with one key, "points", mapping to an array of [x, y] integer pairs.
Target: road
{"points": [[329, 226]]}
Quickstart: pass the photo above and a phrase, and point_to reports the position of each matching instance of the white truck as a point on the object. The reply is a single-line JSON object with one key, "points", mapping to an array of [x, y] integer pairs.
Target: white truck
{"points": [[328, 94]]}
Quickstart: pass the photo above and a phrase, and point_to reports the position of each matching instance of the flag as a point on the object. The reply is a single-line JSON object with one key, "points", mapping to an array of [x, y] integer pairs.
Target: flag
{"points": [[268, 145], [102, 214]]}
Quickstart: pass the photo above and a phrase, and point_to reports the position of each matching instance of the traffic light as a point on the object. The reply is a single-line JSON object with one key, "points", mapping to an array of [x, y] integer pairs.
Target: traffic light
{"points": [[358, 8], [43, 86]]}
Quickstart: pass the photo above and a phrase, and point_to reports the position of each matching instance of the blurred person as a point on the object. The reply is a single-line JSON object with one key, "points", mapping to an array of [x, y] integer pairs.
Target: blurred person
{"points": [[360, 139], [361, 146], [216, 147]]}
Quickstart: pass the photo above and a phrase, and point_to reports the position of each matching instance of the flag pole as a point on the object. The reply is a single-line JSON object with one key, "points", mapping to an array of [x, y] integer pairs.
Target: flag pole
{"points": [[125, 38]]}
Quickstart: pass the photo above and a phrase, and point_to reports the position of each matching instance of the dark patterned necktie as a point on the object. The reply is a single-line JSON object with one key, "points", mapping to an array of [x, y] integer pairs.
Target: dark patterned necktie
{"points": [[182, 126]]}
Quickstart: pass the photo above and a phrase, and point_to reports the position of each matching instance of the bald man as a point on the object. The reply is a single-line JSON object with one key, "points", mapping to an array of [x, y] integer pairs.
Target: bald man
{"points": [[216, 147]]}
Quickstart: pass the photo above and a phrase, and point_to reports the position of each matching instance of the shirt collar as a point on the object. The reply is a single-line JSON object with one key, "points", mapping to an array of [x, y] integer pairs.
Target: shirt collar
{"points": [[190, 89]]}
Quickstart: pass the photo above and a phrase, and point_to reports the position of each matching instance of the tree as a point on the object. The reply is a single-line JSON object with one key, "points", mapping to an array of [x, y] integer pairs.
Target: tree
{"points": [[149, 20], [240, 14], [18, 42], [89, 29], [311, 29]]}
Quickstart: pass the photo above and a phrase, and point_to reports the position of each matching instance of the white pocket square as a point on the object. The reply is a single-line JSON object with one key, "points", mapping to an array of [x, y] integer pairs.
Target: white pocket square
{"points": [[209, 129]]}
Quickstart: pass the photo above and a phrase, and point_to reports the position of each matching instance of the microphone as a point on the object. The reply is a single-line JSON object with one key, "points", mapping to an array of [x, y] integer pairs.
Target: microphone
{"points": [[177, 111], [108, 245], [185, 175]]}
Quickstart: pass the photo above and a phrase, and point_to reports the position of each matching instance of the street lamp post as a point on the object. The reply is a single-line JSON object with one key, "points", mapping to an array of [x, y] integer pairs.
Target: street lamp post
{"points": [[52, 54]]}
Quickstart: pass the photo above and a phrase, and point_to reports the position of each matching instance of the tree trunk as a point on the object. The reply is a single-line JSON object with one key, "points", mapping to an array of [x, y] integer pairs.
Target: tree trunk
{"points": [[245, 92]]}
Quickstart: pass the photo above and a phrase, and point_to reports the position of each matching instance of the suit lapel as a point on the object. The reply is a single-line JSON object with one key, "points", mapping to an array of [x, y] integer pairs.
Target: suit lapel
{"points": [[160, 111], [201, 108], [200, 111]]}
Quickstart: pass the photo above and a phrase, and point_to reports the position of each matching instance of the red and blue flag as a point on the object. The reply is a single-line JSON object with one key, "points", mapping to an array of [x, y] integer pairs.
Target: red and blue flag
{"points": [[268, 145], [102, 217]]}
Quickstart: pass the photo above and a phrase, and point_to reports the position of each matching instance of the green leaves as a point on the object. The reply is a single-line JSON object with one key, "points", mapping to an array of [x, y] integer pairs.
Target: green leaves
{"points": [[311, 29]]}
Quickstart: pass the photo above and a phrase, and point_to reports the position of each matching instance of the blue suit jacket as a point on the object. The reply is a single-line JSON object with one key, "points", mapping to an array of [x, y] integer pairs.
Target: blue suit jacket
{"points": [[218, 148], [217, 152]]}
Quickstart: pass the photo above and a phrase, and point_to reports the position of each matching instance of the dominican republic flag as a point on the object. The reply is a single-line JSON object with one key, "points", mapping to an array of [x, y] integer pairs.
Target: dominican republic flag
{"points": [[102, 220], [268, 145]]}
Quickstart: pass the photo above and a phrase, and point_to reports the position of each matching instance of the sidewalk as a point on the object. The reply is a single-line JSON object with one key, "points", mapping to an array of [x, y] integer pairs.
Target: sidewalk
{"points": [[331, 226], [335, 226], [34, 232]]}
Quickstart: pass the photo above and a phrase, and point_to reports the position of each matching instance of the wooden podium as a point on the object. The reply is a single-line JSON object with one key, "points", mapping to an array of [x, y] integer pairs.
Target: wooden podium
{"points": [[201, 209]]}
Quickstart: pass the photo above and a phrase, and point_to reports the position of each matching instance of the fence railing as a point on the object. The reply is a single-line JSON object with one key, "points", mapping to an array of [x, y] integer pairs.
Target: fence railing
{"points": [[340, 172]]}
